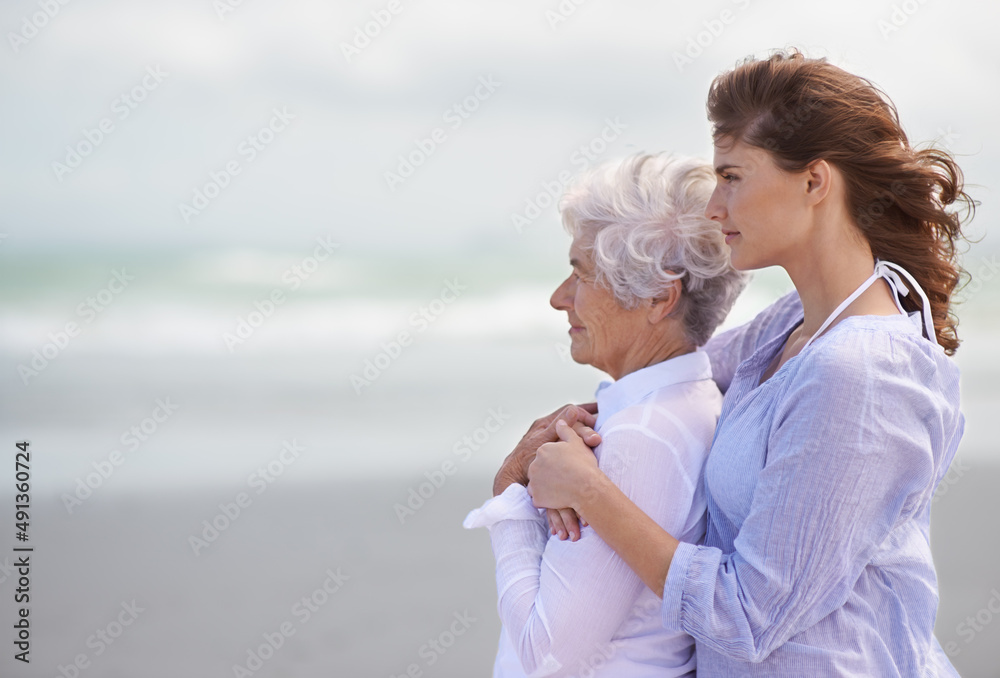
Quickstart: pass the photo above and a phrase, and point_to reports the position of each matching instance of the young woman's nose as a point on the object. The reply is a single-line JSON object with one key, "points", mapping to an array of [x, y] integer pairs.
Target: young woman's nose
{"points": [[716, 208]]}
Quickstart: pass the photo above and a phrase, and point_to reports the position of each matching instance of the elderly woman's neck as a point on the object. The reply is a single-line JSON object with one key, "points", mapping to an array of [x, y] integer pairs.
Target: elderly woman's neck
{"points": [[648, 351]]}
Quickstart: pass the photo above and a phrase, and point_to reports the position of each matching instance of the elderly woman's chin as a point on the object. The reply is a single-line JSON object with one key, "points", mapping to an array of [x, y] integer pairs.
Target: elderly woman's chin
{"points": [[578, 349], [582, 349]]}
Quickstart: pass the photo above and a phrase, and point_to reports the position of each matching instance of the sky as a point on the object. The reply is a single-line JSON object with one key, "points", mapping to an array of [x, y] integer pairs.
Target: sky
{"points": [[186, 89]]}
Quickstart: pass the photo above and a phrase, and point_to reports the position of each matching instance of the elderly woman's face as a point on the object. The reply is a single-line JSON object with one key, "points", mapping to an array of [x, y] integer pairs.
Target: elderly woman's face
{"points": [[602, 333]]}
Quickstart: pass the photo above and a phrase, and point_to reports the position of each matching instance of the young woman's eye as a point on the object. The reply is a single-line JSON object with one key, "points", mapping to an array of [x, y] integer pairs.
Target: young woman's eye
{"points": [[729, 177]]}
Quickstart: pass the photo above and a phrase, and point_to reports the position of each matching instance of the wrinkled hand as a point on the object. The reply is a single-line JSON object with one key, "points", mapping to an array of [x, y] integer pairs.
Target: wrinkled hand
{"points": [[515, 467], [561, 472], [565, 523]]}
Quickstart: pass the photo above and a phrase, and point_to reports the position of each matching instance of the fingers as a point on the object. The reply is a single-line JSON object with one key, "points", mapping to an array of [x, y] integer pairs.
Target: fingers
{"points": [[556, 525], [589, 435], [588, 413], [566, 432], [575, 413], [570, 522], [550, 419], [568, 415], [564, 523], [572, 414], [585, 413]]}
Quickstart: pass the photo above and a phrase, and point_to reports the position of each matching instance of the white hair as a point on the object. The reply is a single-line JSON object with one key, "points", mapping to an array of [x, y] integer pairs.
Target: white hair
{"points": [[643, 220]]}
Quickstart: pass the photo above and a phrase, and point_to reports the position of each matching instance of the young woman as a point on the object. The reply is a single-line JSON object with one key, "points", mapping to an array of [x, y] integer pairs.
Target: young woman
{"points": [[841, 411]]}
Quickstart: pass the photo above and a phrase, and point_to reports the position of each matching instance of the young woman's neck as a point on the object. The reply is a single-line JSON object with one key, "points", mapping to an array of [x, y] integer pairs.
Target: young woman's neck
{"points": [[831, 267]]}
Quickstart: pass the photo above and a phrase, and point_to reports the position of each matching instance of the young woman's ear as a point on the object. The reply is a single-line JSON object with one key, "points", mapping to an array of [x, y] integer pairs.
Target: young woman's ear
{"points": [[819, 177]]}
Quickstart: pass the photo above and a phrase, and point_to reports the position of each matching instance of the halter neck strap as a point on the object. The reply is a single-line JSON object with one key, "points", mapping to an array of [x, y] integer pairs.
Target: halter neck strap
{"points": [[891, 272]]}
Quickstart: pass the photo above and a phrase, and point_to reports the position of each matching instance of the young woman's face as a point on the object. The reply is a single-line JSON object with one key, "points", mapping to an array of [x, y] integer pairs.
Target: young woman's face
{"points": [[760, 207]]}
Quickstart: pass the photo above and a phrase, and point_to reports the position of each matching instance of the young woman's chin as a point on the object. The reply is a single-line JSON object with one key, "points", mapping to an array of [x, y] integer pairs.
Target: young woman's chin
{"points": [[741, 261], [744, 259]]}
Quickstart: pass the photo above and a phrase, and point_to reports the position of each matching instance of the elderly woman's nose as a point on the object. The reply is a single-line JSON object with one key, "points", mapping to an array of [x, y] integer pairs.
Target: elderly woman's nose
{"points": [[561, 299]]}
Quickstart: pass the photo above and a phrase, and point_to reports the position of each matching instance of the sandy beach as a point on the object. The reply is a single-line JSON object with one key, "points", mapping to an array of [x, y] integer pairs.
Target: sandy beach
{"points": [[325, 580]]}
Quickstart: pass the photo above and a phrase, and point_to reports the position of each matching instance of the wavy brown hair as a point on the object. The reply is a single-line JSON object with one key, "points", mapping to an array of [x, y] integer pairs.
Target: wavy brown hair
{"points": [[802, 110]]}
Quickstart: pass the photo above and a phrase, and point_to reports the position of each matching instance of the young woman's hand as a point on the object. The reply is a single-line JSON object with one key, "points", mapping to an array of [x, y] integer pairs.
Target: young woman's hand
{"points": [[515, 467], [561, 472]]}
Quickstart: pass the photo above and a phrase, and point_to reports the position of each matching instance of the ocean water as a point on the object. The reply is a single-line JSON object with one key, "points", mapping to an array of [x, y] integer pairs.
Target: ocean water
{"points": [[326, 365]]}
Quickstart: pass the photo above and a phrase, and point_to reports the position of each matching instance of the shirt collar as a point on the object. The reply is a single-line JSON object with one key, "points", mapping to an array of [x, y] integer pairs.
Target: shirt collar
{"points": [[613, 397]]}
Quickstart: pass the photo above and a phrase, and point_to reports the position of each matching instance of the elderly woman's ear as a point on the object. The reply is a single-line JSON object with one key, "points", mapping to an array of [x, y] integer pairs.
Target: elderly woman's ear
{"points": [[666, 303]]}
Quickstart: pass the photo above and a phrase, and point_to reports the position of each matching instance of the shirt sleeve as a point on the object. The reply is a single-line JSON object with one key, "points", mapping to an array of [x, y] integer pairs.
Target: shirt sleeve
{"points": [[849, 458], [561, 600], [730, 348]]}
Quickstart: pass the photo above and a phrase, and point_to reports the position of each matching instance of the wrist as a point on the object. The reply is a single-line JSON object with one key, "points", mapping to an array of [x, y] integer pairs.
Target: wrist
{"points": [[593, 491], [502, 481]]}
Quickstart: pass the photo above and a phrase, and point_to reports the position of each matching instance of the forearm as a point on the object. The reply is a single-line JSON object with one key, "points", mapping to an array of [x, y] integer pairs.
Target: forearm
{"points": [[635, 537], [585, 590], [504, 479]]}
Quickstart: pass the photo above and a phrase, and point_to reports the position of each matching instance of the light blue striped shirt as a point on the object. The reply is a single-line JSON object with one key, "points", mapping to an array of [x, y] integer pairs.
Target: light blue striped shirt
{"points": [[817, 560]]}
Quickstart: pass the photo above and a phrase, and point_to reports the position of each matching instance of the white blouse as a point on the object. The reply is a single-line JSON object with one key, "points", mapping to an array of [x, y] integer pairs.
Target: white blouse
{"points": [[575, 608]]}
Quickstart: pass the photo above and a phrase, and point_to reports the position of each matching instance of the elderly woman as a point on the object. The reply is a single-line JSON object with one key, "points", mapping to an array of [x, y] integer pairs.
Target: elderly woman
{"points": [[651, 280]]}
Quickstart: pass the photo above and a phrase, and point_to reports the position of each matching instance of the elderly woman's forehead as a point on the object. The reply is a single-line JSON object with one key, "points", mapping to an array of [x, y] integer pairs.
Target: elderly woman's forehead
{"points": [[582, 243]]}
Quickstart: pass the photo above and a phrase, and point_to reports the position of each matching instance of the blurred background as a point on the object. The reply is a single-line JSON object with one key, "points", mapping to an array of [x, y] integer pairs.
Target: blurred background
{"points": [[268, 270]]}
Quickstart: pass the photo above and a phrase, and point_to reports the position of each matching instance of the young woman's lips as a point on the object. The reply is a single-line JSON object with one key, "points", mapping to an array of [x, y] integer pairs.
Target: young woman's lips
{"points": [[730, 235]]}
